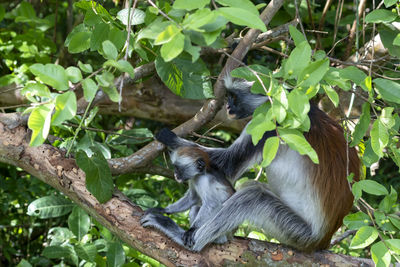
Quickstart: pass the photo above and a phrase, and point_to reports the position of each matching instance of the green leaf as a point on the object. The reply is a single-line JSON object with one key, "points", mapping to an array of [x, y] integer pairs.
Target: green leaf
{"points": [[121, 65], [22, 263], [298, 60], [353, 74], [50, 207], [334, 78], [389, 90], [100, 10], [297, 36], [372, 187], [167, 35], [260, 123], [109, 49], [394, 245], [243, 4], [61, 252], [379, 137], [395, 220], [39, 123], [331, 93], [242, 17], [298, 103], [91, 18], [380, 254], [153, 30], [190, 5], [89, 89], [115, 255], [85, 67], [79, 222], [185, 78], [35, 89], [105, 79], [364, 237], [296, 141], [199, 19], [65, 108], [396, 40], [194, 51], [2, 13], [79, 42], [313, 73], [86, 252], [356, 220], [51, 74], [173, 48], [380, 15], [98, 175], [369, 156], [99, 35], [137, 16], [387, 203], [270, 149], [388, 36], [112, 93], [362, 125], [74, 74], [389, 3]]}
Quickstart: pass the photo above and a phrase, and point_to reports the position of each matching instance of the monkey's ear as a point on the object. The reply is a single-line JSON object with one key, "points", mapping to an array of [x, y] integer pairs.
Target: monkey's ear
{"points": [[167, 137], [200, 163]]}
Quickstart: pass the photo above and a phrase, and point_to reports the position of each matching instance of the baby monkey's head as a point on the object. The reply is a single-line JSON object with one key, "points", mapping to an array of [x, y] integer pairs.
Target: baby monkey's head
{"points": [[189, 162]]}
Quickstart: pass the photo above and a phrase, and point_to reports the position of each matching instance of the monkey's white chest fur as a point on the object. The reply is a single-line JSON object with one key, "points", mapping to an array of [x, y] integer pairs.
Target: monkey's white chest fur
{"points": [[289, 178]]}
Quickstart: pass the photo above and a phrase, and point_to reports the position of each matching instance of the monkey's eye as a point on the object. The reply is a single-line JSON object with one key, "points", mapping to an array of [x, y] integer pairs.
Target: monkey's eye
{"points": [[200, 164]]}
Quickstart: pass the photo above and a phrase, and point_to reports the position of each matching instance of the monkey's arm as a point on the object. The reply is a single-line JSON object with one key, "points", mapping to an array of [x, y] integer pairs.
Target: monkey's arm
{"points": [[186, 202]]}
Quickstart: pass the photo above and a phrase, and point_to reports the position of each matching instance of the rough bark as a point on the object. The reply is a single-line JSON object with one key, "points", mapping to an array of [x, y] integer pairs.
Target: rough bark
{"points": [[121, 216]]}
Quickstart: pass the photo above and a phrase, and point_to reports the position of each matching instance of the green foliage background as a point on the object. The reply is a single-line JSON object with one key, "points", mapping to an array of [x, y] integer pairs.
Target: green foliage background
{"points": [[54, 60]]}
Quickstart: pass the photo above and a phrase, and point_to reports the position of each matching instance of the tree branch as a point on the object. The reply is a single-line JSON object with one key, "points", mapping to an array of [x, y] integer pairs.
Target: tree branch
{"points": [[121, 216]]}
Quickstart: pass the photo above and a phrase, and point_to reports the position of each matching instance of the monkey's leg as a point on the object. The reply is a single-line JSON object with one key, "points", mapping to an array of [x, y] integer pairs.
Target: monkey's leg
{"points": [[257, 204], [165, 225]]}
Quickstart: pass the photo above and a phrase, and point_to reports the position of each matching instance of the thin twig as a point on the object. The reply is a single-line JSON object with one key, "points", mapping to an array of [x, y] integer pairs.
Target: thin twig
{"points": [[343, 236], [207, 137]]}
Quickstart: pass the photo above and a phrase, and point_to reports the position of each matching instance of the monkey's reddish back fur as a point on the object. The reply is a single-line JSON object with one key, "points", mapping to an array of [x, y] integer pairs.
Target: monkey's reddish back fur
{"points": [[329, 177]]}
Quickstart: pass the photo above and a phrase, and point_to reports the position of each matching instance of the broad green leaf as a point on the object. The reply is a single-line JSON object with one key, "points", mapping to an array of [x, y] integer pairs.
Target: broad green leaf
{"points": [[137, 16], [386, 117], [331, 93], [185, 78], [79, 42], [243, 4], [199, 19], [117, 37], [51, 74], [91, 18], [105, 79], [372, 187], [109, 49], [121, 65], [379, 137], [194, 51], [89, 89], [387, 203], [262, 72], [396, 40], [362, 125], [153, 30], [279, 111], [87, 252], [298, 142], [353, 74], [298, 60], [395, 220], [115, 255], [59, 235], [369, 156], [85, 67], [99, 35], [388, 35], [242, 17], [39, 123], [380, 15], [32, 89], [112, 93], [100, 10], [98, 175], [50, 207], [380, 254], [356, 220], [260, 123], [173, 48], [389, 3], [22, 263], [389, 90], [190, 5], [65, 108], [313, 73], [167, 35], [2, 13], [270, 149], [298, 103], [61, 252], [79, 222], [356, 190], [296, 35], [334, 78], [394, 245], [74, 74], [364, 237]]}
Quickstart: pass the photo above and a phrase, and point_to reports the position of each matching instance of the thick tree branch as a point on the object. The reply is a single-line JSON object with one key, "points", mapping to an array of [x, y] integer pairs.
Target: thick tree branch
{"points": [[121, 217]]}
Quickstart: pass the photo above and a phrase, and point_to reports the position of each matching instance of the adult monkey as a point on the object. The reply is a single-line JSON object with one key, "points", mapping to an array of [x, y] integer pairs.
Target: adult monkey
{"points": [[303, 203]]}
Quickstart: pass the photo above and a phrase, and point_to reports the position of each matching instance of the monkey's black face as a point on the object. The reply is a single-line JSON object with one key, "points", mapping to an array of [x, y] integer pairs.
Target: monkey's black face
{"points": [[237, 105], [186, 172]]}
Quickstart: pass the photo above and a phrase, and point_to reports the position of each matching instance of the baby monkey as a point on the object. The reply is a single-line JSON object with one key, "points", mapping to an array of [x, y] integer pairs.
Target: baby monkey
{"points": [[208, 190]]}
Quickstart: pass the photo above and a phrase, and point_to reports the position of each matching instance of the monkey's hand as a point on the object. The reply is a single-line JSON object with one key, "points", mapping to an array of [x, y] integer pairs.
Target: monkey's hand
{"points": [[155, 211], [167, 137], [188, 237]]}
